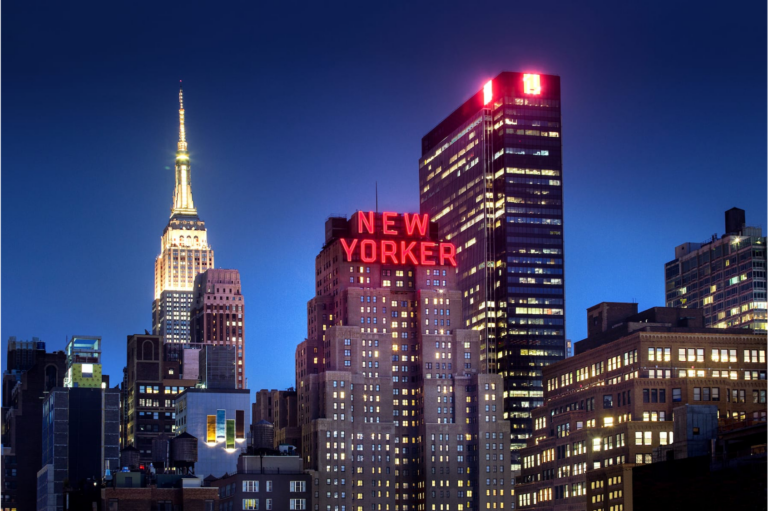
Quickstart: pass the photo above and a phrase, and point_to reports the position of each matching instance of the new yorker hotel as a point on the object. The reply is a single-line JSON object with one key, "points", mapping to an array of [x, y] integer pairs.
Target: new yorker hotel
{"points": [[395, 411], [490, 175]]}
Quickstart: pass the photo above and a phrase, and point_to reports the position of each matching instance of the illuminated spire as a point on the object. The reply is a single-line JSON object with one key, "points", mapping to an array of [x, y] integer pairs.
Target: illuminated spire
{"points": [[182, 195]]}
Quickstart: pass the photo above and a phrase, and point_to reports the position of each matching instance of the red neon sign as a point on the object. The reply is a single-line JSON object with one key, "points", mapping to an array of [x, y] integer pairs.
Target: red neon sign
{"points": [[365, 222], [388, 220], [419, 222], [389, 251]]}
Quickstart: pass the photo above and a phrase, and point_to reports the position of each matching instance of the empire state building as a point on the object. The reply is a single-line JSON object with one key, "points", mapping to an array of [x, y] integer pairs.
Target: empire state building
{"points": [[184, 252]]}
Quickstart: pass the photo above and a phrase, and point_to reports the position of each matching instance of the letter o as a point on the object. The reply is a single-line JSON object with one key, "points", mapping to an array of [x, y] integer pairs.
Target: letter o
{"points": [[363, 254]]}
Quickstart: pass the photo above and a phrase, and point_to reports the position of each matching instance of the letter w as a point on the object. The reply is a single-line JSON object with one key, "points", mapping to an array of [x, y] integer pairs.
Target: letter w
{"points": [[416, 221]]}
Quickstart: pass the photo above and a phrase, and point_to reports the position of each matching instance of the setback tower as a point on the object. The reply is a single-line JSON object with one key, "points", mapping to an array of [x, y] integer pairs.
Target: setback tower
{"points": [[184, 252], [394, 408]]}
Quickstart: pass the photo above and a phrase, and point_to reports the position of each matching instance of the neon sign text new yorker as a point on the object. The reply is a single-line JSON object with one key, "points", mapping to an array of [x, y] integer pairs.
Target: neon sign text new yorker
{"points": [[390, 251]]}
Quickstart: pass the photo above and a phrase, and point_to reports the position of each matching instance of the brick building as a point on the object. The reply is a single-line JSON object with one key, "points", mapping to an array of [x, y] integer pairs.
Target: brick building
{"points": [[608, 407], [130, 491], [267, 483], [280, 407], [218, 318], [150, 385], [395, 411]]}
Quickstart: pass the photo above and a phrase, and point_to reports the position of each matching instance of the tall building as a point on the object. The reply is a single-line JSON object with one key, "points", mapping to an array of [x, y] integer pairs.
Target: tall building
{"points": [[30, 375], [611, 406], [725, 277], [184, 252], [150, 385], [490, 175], [80, 441], [395, 410], [218, 316]]}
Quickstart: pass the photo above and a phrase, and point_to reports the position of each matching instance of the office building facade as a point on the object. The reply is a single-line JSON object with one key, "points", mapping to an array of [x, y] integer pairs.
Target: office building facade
{"points": [[490, 175], [218, 317], [80, 441], [609, 407], [184, 252], [725, 277], [395, 411]]}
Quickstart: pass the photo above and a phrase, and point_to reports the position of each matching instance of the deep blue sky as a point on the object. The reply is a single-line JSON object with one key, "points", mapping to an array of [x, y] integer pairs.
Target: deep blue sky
{"points": [[295, 110]]}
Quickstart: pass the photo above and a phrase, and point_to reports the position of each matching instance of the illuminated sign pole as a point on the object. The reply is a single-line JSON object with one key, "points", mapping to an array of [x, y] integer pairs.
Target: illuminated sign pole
{"points": [[397, 251]]}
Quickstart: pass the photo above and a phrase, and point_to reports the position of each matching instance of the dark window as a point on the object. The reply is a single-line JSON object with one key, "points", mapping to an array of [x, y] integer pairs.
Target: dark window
{"points": [[646, 396]]}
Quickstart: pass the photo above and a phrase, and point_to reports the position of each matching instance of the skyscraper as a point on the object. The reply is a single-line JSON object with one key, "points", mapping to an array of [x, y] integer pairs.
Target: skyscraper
{"points": [[395, 410], [217, 320], [726, 277], [184, 252], [490, 175]]}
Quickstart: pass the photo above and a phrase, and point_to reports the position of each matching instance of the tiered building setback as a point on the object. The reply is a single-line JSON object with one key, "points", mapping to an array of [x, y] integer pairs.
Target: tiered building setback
{"points": [[184, 252], [395, 410]]}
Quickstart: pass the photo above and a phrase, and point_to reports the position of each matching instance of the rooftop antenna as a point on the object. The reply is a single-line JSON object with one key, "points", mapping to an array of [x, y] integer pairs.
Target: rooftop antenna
{"points": [[377, 196]]}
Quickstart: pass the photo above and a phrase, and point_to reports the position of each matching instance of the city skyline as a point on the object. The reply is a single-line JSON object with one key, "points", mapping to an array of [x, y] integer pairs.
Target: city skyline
{"points": [[268, 227]]}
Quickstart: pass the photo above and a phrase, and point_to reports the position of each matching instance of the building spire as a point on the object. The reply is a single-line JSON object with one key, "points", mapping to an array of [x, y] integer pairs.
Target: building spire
{"points": [[182, 195], [182, 131]]}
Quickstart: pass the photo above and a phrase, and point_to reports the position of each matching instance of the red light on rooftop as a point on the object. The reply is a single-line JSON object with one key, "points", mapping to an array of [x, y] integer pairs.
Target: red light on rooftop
{"points": [[488, 92], [532, 84]]}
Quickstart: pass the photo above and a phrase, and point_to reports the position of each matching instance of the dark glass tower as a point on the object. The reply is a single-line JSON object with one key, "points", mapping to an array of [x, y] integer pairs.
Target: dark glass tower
{"points": [[490, 174]]}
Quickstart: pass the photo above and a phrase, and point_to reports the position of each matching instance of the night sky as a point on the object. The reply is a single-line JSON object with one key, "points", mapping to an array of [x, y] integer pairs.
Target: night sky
{"points": [[295, 111]]}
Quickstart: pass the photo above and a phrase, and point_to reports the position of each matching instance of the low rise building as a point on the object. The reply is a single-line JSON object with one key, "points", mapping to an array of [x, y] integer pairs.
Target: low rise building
{"points": [[219, 419], [266, 483], [608, 407], [134, 492]]}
